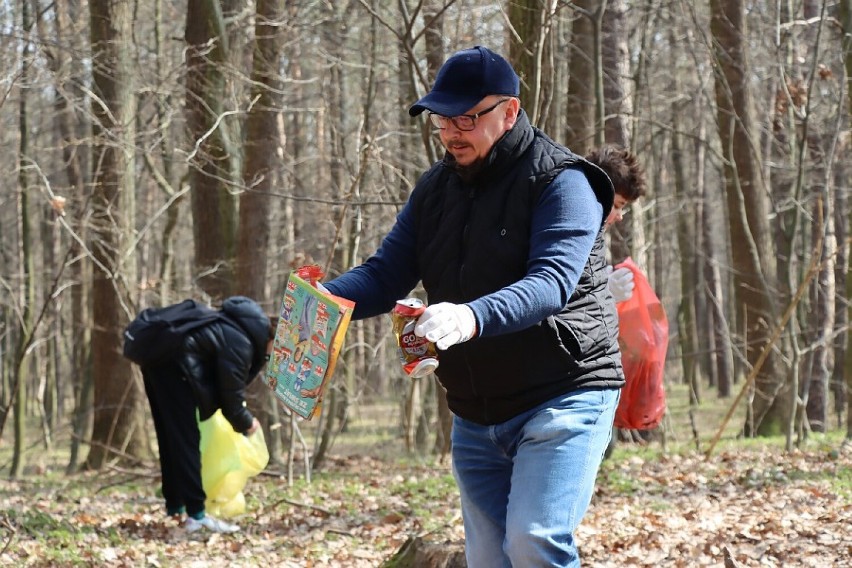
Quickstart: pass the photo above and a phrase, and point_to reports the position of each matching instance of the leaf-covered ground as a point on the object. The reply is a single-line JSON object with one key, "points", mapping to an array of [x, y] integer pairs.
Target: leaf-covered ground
{"points": [[760, 507]]}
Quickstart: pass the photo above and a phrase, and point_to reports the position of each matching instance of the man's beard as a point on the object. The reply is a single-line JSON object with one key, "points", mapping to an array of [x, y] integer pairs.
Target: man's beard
{"points": [[469, 172]]}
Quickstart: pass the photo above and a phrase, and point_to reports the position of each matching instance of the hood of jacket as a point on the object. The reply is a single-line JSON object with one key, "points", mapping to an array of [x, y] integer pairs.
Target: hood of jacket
{"points": [[251, 318]]}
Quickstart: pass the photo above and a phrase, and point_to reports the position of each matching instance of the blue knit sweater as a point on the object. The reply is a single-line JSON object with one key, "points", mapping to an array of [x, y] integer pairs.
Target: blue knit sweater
{"points": [[564, 226]]}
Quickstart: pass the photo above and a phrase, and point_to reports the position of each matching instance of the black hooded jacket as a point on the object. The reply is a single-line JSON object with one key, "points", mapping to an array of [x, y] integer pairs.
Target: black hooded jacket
{"points": [[219, 360]]}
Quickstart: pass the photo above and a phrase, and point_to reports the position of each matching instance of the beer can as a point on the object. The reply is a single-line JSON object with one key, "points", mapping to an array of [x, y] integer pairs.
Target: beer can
{"points": [[418, 356]]}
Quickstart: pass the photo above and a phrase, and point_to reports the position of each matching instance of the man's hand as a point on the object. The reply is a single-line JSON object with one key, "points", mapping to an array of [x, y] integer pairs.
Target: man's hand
{"points": [[620, 284], [446, 324]]}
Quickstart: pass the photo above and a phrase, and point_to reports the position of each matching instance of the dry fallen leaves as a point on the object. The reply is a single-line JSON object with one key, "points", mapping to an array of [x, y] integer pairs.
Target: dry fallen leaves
{"points": [[764, 508]]}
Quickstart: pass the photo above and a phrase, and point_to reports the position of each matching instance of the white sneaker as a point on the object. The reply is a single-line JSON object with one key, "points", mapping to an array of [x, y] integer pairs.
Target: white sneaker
{"points": [[210, 523]]}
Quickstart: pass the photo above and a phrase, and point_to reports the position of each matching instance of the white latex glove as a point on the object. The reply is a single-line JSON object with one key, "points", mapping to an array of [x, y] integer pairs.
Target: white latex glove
{"points": [[620, 284], [446, 324], [322, 288]]}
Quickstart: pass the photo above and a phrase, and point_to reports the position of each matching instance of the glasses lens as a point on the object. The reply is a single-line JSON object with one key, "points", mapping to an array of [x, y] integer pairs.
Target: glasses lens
{"points": [[464, 122]]}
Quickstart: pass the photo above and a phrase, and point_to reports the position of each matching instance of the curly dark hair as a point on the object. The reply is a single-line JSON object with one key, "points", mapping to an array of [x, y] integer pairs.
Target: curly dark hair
{"points": [[623, 168]]}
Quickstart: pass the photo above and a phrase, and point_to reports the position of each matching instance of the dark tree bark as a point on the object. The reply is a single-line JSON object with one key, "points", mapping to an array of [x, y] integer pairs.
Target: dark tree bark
{"points": [[688, 257], [752, 253], [846, 24], [580, 111], [68, 73], [21, 365], [259, 175], [117, 429], [212, 150], [260, 148]]}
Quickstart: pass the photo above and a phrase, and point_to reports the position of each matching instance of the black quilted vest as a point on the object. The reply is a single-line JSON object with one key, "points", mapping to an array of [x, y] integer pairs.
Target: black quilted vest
{"points": [[473, 239]]}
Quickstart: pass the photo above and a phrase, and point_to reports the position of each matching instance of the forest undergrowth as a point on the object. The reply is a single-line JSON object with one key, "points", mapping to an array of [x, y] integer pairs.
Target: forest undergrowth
{"points": [[750, 502], [657, 503]]}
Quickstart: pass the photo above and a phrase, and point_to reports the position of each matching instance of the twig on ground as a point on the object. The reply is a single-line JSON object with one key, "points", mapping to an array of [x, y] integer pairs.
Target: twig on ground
{"points": [[301, 505], [13, 531]]}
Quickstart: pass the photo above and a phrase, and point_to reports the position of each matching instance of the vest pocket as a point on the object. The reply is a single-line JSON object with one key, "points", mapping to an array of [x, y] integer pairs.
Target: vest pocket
{"points": [[583, 339]]}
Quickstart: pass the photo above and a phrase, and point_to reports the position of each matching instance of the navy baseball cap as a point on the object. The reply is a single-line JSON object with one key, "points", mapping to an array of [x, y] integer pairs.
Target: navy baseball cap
{"points": [[465, 79]]}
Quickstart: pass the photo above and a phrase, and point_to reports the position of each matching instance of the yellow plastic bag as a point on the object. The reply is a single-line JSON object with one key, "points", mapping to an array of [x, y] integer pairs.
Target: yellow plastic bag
{"points": [[228, 460]]}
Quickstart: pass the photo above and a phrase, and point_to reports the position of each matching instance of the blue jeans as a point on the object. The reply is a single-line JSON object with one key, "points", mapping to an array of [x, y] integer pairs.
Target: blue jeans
{"points": [[526, 483]]}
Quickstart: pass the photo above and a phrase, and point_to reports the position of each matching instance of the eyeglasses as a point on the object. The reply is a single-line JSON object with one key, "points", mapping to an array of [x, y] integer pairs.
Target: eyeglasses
{"points": [[464, 122]]}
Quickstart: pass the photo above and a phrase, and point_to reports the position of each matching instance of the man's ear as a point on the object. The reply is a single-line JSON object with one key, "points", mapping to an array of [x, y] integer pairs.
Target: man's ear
{"points": [[513, 107]]}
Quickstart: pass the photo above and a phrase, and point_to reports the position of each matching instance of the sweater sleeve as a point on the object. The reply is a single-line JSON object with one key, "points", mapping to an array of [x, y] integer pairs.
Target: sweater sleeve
{"points": [[388, 275], [564, 226]]}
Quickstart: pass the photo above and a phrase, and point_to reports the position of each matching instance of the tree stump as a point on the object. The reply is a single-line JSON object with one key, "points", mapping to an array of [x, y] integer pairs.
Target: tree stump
{"points": [[418, 553]]}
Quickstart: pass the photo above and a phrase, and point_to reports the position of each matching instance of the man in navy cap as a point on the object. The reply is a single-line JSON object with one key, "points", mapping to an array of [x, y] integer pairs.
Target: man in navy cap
{"points": [[506, 235]]}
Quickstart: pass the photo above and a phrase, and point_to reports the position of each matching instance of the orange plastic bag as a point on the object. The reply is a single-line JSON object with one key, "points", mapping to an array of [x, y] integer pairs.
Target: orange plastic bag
{"points": [[643, 337]]}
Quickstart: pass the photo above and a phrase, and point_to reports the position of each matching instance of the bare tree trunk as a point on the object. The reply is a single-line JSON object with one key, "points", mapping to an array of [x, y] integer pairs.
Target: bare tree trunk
{"points": [[618, 103], [530, 52], [718, 328], [340, 258], [433, 15], [722, 359], [580, 111], [291, 133], [822, 314], [753, 257], [841, 307], [212, 151], [822, 319], [67, 72], [434, 47], [631, 230], [704, 316], [117, 430], [169, 183], [846, 25], [661, 176], [27, 260], [618, 106], [686, 244], [261, 156], [48, 389], [261, 145]]}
